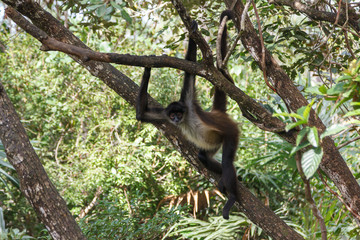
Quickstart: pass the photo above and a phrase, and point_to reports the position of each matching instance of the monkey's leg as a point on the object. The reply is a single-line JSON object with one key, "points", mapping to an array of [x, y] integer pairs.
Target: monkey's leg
{"points": [[206, 157], [228, 181]]}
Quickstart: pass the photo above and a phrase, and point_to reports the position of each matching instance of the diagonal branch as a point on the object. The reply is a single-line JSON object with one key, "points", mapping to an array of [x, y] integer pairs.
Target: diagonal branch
{"points": [[315, 14]]}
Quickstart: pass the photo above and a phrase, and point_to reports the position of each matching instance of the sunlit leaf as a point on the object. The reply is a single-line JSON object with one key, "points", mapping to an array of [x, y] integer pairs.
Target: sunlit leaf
{"points": [[334, 129], [310, 161], [352, 113], [293, 125], [313, 137], [301, 135]]}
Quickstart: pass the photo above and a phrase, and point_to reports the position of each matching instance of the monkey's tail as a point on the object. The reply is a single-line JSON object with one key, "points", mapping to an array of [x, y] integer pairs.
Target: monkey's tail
{"points": [[226, 210]]}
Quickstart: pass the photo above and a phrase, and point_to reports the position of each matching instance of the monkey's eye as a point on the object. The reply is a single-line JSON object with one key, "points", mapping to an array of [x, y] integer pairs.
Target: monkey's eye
{"points": [[172, 115], [179, 115]]}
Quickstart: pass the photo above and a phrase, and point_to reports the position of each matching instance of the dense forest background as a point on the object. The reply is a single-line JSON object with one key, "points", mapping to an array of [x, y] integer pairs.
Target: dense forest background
{"points": [[122, 179]]}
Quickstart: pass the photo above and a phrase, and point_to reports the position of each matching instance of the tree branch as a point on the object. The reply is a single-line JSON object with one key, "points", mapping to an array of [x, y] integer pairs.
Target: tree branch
{"points": [[315, 14]]}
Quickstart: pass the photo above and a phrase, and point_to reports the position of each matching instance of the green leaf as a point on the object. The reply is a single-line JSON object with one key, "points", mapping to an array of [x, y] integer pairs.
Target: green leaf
{"points": [[301, 110], [115, 5], [310, 161], [336, 89], [323, 89], [301, 135], [342, 78], [314, 90], [293, 125], [334, 129], [313, 137], [101, 11], [352, 113], [6, 164], [295, 115], [297, 148], [93, 7], [307, 110], [126, 16], [10, 178]]}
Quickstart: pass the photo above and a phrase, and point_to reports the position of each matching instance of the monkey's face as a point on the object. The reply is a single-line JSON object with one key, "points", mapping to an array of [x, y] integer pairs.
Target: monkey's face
{"points": [[176, 112]]}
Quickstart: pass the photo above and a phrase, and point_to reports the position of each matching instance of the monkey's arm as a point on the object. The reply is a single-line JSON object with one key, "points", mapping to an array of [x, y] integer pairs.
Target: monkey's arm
{"points": [[145, 113], [187, 92]]}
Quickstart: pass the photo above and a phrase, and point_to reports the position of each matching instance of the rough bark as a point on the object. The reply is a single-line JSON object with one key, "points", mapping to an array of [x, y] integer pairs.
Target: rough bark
{"points": [[34, 182], [332, 163], [255, 210], [351, 17]]}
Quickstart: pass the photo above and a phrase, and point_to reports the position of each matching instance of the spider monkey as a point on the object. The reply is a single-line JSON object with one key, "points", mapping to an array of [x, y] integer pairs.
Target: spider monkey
{"points": [[207, 130]]}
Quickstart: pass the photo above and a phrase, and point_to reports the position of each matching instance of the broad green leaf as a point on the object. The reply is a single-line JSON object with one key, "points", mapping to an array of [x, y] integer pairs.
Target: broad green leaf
{"points": [[323, 89], [301, 135], [334, 129], [293, 125], [336, 89], [100, 11], [310, 161], [342, 78], [314, 90], [313, 137], [301, 110]]}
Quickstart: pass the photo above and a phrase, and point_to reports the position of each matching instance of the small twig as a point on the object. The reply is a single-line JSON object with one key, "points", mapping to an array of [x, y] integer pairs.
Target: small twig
{"points": [[333, 29], [243, 15], [309, 198], [348, 142], [86, 210], [57, 148], [263, 65], [338, 196], [348, 45]]}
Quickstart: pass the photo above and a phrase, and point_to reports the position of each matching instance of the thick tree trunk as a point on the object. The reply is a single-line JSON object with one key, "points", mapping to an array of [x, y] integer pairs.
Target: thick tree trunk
{"points": [[34, 182], [254, 209]]}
